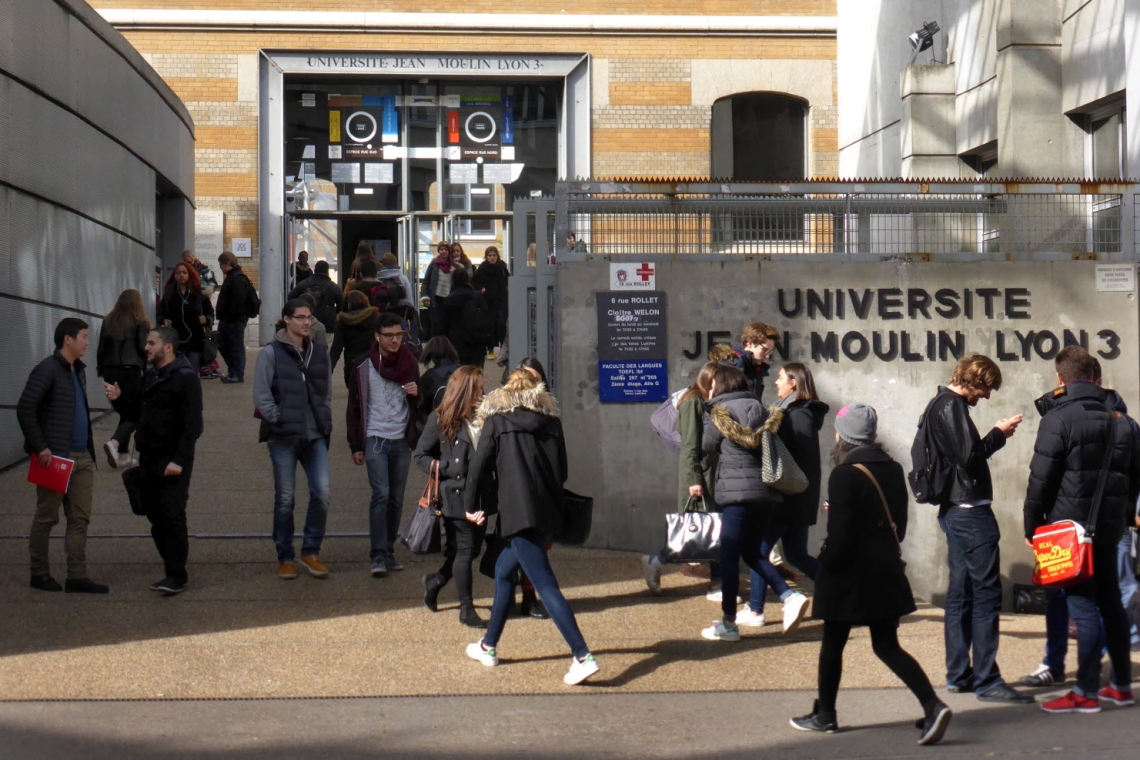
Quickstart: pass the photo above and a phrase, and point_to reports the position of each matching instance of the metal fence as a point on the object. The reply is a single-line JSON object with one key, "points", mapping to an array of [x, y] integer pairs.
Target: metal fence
{"points": [[916, 219]]}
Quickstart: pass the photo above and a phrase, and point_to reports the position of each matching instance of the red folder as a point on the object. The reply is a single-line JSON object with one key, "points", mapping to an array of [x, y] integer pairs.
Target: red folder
{"points": [[55, 477]]}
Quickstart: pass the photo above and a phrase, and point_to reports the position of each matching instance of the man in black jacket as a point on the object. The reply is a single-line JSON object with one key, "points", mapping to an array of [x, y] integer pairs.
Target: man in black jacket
{"points": [[169, 425], [327, 294], [235, 305], [56, 421], [965, 514], [1077, 437]]}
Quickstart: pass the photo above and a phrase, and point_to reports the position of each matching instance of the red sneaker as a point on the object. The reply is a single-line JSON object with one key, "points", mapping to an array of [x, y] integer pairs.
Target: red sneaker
{"points": [[1117, 697], [1072, 703]]}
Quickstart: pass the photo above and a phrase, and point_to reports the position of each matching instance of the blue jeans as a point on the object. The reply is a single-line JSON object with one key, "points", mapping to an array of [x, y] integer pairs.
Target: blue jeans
{"points": [[1128, 584], [1056, 631], [1089, 603], [795, 552], [387, 461], [528, 549], [742, 529], [314, 458], [973, 597], [231, 345]]}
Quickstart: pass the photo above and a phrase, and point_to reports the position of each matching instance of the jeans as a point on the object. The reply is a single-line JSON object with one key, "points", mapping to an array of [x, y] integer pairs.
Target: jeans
{"points": [[1056, 631], [314, 458], [76, 508], [387, 461], [973, 597], [885, 644], [742, 529], [167, 514], [1089, 603], [528, 549], [231, 345], [464, 542], [1128, 584], [795, 552]]}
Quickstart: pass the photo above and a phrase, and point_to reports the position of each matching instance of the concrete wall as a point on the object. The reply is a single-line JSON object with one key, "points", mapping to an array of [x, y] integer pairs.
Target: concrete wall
{"points": [[614, 454], [86, 130]]}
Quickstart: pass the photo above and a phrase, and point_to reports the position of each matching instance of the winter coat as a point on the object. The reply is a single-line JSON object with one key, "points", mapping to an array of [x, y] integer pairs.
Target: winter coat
{"points": [[235, 297], [522, 447], [967, 453], [732, 429], [492, 278], [454, 463], [432, 382], [1067, 458], [328, 295], [800, 433], [128, 352], [468, 344], [861, 578], [292, 387], [184, 313], [429, 283], [698, 466], [171, 418], [46, 409], [355, 332]]}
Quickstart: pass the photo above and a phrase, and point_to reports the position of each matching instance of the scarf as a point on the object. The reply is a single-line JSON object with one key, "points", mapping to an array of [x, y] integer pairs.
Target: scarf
{"points": [[786, 402], [443, 264], [401, 367]]}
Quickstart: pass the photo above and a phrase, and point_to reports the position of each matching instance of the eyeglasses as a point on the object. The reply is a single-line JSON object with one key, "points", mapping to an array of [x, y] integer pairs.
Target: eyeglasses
{"points": [[302, 319], [392, 336]]}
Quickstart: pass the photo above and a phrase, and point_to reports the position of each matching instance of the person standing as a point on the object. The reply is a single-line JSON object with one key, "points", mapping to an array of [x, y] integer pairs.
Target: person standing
{"points": [[205, 274], [523, 452], [1077, 440], [862, 576], [966, 516], [573, 244], [170, 423], [292, 393], [448, 441], [56, 421], [459, 260], [491, 279], [355, 333], [467, 320], [120, 360], [237, 303], [327, 295], [300, 271], [188, 310], [436, 286], [381, 420]]}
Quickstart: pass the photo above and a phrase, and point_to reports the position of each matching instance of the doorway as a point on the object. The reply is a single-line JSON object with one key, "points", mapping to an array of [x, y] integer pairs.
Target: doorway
{"points": [[383, 235]]}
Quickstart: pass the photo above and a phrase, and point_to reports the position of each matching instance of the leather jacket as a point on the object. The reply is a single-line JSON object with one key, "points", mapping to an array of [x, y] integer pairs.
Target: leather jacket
{"points": [[963, 449]]}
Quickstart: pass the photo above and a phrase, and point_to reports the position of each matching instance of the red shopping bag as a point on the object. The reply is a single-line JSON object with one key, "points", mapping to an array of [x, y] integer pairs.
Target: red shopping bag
{"points": [[1063, 553]]}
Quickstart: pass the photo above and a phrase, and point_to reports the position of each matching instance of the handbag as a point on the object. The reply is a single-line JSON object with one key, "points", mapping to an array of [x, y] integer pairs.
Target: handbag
{"points": [[577, 518], [693, 535], [779, 468], [886, 509], [209, 347], [133, 481], [421, 534], [1063, 551], [494, 546], [1029, 600]]}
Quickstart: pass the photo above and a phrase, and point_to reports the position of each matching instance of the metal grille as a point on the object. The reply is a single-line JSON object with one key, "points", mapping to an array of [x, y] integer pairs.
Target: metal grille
{"points": [[885, 219]]}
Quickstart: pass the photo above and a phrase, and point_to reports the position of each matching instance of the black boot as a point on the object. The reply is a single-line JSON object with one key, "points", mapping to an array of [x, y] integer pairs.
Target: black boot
{"points": [[432, 585], [469, 617], [532, 605]]}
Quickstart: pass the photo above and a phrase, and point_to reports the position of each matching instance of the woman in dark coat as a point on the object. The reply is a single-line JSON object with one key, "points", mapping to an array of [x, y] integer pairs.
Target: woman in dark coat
{"points": [[521, 447], [441, 355], [491, 279], [862, 577], [121, 359], [187, 309], [803, 417], [354, 333], [449, 439]]}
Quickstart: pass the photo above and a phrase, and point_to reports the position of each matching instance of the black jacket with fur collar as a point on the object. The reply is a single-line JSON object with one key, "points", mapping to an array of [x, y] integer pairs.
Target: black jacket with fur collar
{"points": [[521, 445], [733, 428]]}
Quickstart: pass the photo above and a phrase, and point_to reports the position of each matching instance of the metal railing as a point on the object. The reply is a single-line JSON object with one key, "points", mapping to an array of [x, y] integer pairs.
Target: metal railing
{"points": [[916, 219]]}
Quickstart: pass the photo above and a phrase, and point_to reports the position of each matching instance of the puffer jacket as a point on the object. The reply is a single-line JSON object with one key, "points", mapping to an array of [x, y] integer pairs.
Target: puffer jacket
{"points": [[966, 452], [800, 432], [522, 447], [733, 431], [354, 335], [1067, 458], [454, 463], [46, 409]]}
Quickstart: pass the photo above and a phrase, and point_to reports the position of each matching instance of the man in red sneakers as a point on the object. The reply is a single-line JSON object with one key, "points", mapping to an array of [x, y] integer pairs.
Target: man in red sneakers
{"points": [[1075, 440]]}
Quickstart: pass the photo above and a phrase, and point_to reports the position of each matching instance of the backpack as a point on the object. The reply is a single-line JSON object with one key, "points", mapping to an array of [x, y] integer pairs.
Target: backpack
{"points": [[930, 476], [412, 337], [664, 422], [384, 294], [478, 322], [253, 303], [324, 312]]}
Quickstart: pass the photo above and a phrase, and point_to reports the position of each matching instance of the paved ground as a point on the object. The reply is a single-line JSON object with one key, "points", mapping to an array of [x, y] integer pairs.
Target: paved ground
{"points": [[240, 633]]}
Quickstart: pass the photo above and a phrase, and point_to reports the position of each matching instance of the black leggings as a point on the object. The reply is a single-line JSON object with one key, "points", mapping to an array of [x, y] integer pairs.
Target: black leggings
{"points": [[885, 642]]}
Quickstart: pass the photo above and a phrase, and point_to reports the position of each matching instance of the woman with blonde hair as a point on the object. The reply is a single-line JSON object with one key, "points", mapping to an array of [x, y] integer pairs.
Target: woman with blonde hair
{"points": [[121, 358], [449, 440]]}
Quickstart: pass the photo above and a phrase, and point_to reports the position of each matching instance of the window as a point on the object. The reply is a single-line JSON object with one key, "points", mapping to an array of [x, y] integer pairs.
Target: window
{"points": [[1106, 145], [759, 136]]}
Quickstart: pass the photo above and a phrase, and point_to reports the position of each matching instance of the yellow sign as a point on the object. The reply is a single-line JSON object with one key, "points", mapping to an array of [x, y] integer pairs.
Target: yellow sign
{"points": [[334, 126]]}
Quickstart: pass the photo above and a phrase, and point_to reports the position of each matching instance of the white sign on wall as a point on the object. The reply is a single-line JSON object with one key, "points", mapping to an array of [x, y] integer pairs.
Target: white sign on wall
{"points": [[209, 226], [633, 276], [242, 247], [1115, 278]]}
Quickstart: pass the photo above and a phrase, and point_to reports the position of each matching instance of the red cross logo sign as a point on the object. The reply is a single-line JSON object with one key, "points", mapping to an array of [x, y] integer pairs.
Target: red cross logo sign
{"points": [[645, 271]]}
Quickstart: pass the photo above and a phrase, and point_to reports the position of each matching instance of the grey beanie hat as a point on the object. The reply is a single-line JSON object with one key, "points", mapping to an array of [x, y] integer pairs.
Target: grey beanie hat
{"points": [[856, 424]]}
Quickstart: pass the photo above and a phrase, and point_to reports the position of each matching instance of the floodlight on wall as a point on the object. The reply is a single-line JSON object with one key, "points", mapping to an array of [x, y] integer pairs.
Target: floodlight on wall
{"points": [[923, 39]]}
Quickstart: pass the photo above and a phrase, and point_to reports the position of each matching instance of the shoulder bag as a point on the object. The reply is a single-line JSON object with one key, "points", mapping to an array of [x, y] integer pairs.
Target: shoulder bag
{"points": [[421, 535], [693, 535], [886, 508], [780, 470], [577, 518]]}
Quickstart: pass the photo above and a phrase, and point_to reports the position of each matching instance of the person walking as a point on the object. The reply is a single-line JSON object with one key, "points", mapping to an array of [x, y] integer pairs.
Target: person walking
{"points": [[292, 393], [459, 260], [449, 441], [56, 421], [327, 295], [120, 360], [435, 287], [862, 576], [491, 279], [444, 361], [355, 332], [188, 310], [382, 396], [803, 417], [467, 320], [299, 271], [170, 423], [1086, 451], [237, 304], [523, 452], [966, 516]]}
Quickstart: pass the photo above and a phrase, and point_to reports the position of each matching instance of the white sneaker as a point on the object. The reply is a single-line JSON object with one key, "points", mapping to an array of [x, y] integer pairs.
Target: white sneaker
{"points": [[652, 572], [749, 618], [718, 595], [795, 607], [580, 670], [718, 631], [486, 656], [114, 458]]}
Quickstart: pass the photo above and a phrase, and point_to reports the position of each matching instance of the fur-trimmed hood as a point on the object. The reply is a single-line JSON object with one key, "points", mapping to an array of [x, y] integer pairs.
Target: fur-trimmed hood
{"points": [[358, 317], [501, 401], [741, 435]]}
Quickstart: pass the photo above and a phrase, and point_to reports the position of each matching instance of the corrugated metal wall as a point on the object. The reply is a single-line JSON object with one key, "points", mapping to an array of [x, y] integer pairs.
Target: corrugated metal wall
{"points": [[86, 131]]}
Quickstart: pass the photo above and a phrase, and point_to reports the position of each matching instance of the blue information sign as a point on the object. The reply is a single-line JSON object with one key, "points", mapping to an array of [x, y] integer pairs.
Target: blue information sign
{"points": [[632, 381]]}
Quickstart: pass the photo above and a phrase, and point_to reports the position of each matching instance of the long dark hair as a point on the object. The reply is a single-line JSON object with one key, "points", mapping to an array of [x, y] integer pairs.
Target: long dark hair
{"points": [[729, 380], [459, 399], [437, 349], [844, 448], [531, 363], [701, 384], [193, 281], [805, 383], [127, 313]]}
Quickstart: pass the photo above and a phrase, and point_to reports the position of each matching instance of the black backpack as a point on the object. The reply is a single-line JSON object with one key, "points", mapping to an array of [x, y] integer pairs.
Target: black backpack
{"points": [[384, 294], [253, 303], [325, 310], [478, 321], [930, 476]]}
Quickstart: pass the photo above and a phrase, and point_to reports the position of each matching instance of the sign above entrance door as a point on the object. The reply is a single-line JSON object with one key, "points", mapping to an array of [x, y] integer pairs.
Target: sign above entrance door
{"points": [[420, 64]]}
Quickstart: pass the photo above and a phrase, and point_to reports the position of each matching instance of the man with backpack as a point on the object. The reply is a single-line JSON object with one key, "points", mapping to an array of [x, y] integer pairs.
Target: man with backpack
{"points": [[384, 294], [326, 293], [951, 470], [468, 321], [237, 304]]}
